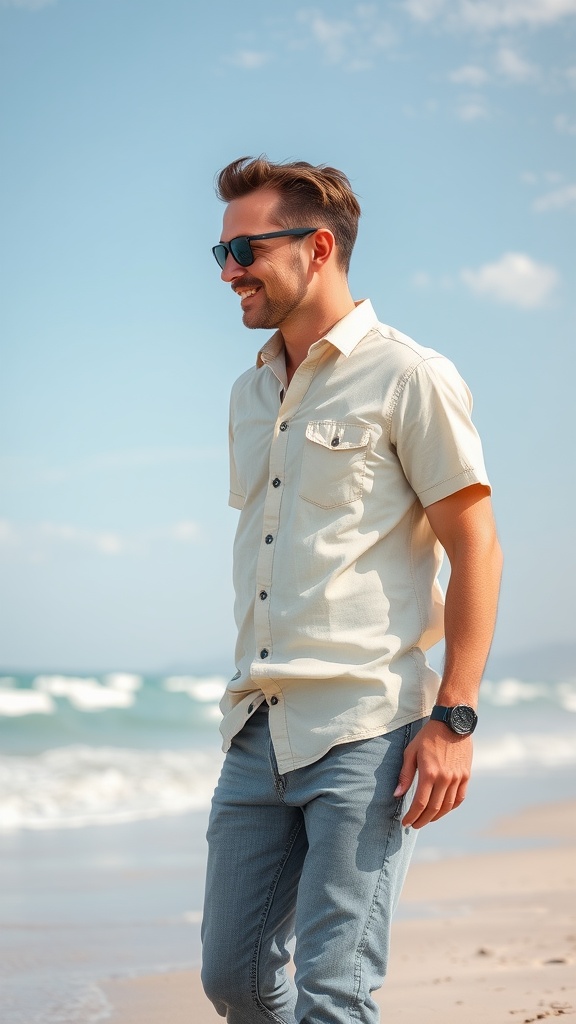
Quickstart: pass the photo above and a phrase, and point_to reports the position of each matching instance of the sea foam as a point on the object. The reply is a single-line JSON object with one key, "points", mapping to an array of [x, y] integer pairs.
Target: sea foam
{"points": [[514, 692], [15, 703], [524, 752], [149, 747], [79, 785], [89, 694], [205, 689]]}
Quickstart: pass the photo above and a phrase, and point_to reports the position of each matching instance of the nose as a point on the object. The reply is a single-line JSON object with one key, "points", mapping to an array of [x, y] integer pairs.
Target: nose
{"points": [[231, 269]]}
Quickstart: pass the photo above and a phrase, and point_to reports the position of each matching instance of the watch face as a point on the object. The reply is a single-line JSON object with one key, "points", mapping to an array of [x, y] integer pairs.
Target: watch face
{"points": [[463, 719]]}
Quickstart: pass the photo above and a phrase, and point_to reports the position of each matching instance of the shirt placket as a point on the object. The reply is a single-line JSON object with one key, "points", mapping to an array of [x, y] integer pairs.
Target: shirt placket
{"points": [[268, 564]]}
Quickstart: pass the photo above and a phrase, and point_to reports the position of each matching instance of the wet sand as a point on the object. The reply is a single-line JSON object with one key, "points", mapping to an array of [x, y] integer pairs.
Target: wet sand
{"points": [[488, 939]]}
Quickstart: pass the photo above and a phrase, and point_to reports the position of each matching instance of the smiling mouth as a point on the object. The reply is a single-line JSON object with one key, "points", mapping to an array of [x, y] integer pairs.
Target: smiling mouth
{"points": [[245, 293]]}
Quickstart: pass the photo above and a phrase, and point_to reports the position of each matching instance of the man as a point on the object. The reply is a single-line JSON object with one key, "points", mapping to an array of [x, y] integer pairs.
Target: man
{"points": [[354, 462]]}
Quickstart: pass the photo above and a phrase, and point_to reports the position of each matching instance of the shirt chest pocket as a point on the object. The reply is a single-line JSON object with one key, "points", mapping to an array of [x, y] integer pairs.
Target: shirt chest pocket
{"points": [[333, 462]]}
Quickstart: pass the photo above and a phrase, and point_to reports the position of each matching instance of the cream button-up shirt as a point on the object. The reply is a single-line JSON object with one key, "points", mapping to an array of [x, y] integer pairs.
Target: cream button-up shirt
{"points": [[335, 563]]}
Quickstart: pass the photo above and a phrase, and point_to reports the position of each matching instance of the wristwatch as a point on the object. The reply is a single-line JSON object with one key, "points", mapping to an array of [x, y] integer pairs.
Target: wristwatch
{"points": [[461, 718]]}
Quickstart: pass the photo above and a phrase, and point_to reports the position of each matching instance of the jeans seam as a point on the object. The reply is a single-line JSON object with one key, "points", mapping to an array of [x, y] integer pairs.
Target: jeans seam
{"points": [[353, 1008], [400, 802], [258, 944], [394, 821]]}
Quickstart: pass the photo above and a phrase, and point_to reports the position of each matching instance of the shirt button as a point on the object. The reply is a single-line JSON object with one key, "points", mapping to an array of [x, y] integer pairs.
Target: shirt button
{"points": [[284, 426], [264, 653], [335, 442], [250, 709], [276, 482], [269, 538], [273, 700], [263, 595]]}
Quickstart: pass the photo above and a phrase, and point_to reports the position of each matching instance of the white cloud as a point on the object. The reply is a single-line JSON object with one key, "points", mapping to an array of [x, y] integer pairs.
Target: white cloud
{"points": [[473, 109], [547, 177], [7, 533], [352, 42], [421, 279], [38, 541], [512, 66], [469, 74], [249, 60], [514, 279], [185, 531], [564, 124], [508, 64], [425, 10], [103, 541], [333, 36], [486, 15], [560, 199]]}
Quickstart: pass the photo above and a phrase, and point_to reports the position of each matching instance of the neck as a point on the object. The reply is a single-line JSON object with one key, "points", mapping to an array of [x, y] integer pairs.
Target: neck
{"points": [[312, 323]]}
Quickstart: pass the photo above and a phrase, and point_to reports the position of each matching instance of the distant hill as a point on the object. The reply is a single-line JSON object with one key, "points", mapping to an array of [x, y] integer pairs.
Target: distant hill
{"points": [[551, 663]]}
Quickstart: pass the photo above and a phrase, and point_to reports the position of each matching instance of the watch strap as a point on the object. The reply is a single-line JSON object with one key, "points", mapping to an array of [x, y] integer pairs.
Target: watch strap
{"points": [[440, 713]]}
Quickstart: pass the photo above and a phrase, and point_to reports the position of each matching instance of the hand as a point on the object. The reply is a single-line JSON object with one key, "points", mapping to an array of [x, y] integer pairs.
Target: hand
{"points": [[442, 760]]}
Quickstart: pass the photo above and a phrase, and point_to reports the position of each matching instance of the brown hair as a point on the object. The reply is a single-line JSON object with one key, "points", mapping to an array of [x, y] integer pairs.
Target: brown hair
{"points": [[321, 196]]}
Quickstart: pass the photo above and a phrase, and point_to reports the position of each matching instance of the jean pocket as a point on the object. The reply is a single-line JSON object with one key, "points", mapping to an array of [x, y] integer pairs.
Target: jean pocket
{"points": [[334, 462]]}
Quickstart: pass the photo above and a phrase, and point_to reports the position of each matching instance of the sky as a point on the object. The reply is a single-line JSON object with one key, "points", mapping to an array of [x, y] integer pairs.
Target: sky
{"points": [[455, 121]]}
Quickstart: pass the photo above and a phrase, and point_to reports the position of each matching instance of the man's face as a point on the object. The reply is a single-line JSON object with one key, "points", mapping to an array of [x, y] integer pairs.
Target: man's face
{"points": [[273, 287]]}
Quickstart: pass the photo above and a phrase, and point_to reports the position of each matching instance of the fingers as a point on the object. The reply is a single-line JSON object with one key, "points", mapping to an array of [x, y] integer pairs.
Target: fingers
{"points": [[408, 771], [443, 763], [432, 802], [417, 813], [454, 796]]}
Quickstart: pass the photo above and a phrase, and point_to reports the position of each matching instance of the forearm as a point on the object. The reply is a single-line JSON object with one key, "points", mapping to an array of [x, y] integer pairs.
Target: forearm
{"points": [[464, 525], [470, 616]]}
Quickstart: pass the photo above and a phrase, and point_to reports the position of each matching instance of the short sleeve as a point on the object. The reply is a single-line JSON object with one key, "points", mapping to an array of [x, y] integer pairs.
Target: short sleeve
{"points": [[431, 427]]}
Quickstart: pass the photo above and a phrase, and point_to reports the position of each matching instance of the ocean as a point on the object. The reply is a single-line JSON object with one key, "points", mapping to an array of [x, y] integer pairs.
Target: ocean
{"points": [[105, 785]]}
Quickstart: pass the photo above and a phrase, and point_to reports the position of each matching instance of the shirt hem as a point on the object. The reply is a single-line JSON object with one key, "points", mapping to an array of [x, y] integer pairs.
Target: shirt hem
{"points": [[397, 723]]}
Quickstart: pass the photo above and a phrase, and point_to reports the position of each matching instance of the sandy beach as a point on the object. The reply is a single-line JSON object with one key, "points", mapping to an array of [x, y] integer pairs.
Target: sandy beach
{"points": [[486, 939]]}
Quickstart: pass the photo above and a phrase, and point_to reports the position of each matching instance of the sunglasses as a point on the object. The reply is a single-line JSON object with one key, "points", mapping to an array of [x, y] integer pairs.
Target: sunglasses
{"points": [[242, 250]]}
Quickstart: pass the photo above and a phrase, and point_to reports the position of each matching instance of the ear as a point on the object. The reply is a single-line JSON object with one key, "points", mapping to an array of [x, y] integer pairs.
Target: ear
{"points": [[323, 244]]}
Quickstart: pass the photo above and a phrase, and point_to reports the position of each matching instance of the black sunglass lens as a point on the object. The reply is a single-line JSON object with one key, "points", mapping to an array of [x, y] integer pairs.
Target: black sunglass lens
{"points": [[241, 251], [220, 252]]}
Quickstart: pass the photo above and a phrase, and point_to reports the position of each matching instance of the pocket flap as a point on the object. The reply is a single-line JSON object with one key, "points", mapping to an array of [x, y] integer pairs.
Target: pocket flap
{"points": [[336, 434]]}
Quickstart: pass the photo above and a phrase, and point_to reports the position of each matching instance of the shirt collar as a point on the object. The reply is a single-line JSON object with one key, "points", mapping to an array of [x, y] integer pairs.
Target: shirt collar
{"points": [[345, 334], [350, 330], [271, 350]]}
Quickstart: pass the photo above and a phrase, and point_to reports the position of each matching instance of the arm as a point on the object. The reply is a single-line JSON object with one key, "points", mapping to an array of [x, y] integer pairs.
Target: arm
{"points": [[464, 525]]}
